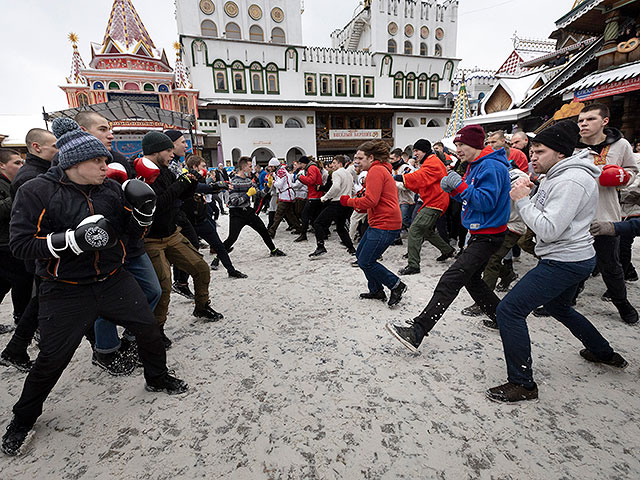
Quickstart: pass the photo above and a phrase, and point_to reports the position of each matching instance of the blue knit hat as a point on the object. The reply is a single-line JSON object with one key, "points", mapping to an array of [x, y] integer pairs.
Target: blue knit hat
{"points": [[76, 145]]}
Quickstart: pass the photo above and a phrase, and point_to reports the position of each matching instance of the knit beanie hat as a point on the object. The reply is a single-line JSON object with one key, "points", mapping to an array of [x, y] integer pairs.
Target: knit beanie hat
{"points": [[472, 135], [154, 142], [304, 160], [561, 137], [75, 145], [424, 146], [173, 134]]}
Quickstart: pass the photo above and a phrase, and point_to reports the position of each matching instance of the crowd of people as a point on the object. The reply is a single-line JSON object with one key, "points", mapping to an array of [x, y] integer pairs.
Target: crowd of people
{"points": [[90, 240]]}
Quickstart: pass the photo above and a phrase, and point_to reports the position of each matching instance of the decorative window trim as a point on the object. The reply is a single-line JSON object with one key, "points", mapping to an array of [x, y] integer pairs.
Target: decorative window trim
{"points": [[398, 79], [373, 87], [238, 67], [410, 79], [344, 80], [314, 90], [219, 66], [435, 79], [272, 70], [256, 68], [328, 77], [359, 93], [423, 80]]}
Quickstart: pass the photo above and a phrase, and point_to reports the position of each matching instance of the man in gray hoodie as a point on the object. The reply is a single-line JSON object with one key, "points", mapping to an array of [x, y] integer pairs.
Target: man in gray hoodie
{"points": [[560, 214]]}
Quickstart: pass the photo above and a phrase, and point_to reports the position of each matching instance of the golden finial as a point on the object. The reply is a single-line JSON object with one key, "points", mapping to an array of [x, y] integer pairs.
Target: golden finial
{"points": [[73, 38]]}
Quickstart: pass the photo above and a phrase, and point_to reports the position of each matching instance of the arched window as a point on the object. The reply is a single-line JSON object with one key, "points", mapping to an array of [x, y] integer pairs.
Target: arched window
{"points": [[233, 122], [256, 82], [83, 99], [256, 34], [408, 48], [422, 86], [277, 35], [310, 84], [221, 81], [259, 122], [325, 84], [148, 87], [232, 31], [163, 89], [411, 85], [434, 86], [438, 50], [398, 85], [354, 87], [183, 105], [131, 86], [368, 87], [408, 123], [340, 86], [391, 46], [114, 86], [273, 84], [424, 51], [208, 29], [433, 123], [98, 86], [293, 123]]}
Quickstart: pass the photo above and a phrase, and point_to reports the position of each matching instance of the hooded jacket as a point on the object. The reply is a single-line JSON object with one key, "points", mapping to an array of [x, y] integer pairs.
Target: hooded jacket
{"points": [[563, 208], [426, 182], [312, 179], [484, 193]]}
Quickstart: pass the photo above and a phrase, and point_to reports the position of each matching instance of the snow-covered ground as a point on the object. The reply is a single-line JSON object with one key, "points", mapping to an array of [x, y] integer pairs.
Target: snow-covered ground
{"points": [[301, 381]]}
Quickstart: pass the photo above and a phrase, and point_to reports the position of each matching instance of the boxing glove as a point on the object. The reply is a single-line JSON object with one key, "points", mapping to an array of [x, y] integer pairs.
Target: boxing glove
{"points": [[91, 234], [613, 176], [117, 172], [344, 200], [142, 199], [146, 170], [251, 192]]}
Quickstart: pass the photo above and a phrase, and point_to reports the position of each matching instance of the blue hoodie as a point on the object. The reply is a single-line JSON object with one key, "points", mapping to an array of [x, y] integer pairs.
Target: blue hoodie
{"points": [[484, 193]]}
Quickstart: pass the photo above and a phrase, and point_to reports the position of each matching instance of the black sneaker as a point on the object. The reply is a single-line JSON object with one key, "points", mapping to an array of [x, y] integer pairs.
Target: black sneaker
{"points": [[167, 384], [396, 294], [6, 329], [606, 296], [183, 289], [541, 312], [215, 263], [319, 251], [208, 313], [616, 359], [631, 277], [627, 312], [276, 252], [351, 251], [472, 311], [510, 392], [14, 437], [490, 324], [408, 270], [445, 256], [505, 283], [405, 335], [301, 238], [21, 362], [114, 363], [237, 274], [379, 295]]}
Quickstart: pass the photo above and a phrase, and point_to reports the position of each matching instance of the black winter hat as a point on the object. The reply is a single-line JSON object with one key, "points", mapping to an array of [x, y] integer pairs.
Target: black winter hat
{"points": [[561, 137], [154, 142], [173, 134], [304, 160], [424, 146]]}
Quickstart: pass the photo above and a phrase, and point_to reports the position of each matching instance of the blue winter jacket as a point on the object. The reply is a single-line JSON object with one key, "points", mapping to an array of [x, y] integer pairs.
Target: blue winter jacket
{"points": [[484, 193]]}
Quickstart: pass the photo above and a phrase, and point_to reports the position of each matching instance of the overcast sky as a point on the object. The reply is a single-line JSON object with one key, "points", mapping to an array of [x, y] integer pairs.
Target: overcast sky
{"points": [[36, 54]]}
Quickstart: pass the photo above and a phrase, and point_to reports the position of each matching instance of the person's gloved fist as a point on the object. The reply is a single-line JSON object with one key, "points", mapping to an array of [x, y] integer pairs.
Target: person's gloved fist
{"points": [[614, 176], [270, 181], [602, 228], [451, 181], [146, 170], [142, 199], [117, 172], [186, 179], [93, 233], [252, 191], [344, 199]]}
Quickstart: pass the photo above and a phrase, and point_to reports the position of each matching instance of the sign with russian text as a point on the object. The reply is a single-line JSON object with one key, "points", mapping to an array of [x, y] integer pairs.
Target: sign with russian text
{"points": [[355, 134], [608, 90]]}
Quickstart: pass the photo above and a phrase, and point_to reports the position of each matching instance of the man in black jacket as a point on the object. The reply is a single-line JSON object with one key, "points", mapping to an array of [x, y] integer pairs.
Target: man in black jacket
{"points": [[74, 222]]}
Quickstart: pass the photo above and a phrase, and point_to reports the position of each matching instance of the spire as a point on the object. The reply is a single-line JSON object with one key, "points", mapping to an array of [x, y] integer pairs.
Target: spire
{"points": [[181, 75], [460, 111], [76, 63], [125, 27]]}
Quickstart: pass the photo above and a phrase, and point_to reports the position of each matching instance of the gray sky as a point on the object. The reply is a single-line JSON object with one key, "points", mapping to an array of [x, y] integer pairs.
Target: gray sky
{"points": [[37, 55]]}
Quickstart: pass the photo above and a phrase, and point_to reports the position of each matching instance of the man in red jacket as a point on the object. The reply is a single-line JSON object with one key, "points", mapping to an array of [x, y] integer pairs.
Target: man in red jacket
{"points": [[497, 140], [311, 176], [426, 182]]}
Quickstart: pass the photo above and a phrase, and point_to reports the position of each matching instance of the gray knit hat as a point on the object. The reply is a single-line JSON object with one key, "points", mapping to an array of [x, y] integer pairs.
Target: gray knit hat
{"points": [[76, 145], [154, 142]]}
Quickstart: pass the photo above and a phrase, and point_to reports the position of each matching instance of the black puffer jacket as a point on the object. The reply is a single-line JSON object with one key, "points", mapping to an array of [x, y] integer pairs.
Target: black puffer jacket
{"points": [[33, 166], [170, 192], [52, 203], [5, 212]]}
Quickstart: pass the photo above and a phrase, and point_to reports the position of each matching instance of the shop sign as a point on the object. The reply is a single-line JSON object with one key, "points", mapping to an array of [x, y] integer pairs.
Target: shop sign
{"points": [[608, 90], [355, 134]]}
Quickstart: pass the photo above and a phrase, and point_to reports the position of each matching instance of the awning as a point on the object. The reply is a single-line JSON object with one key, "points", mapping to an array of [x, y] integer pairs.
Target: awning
{"points": [[614, 81], [126, 110], [499, 117]]}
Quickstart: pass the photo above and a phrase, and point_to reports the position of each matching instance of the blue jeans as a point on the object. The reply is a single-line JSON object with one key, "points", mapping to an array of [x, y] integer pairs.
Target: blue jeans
{"points": [[407, 211], [372, 245], [552, 284], [107, 339]]}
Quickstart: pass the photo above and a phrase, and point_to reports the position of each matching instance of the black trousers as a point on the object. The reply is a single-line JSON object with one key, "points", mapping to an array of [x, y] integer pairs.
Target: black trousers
{"points": [[465, 272], [608, 257], [310, 212], [208, 232], [190, 234], [67, 312], [242, 217], [333, 211], [626, 244], [14, 272]]}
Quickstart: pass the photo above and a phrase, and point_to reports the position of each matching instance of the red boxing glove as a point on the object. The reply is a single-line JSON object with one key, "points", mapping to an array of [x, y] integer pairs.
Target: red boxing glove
{"points": [[117, 172], [146, 170], [614, 176], [344, 199]]}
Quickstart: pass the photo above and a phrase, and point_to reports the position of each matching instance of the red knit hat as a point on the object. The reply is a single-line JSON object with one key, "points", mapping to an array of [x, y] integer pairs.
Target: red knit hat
{"points": [[472, 135]]}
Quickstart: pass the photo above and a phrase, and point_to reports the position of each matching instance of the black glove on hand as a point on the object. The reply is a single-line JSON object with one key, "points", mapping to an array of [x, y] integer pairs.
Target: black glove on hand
{"points": [[93, 233], [142, 199]]}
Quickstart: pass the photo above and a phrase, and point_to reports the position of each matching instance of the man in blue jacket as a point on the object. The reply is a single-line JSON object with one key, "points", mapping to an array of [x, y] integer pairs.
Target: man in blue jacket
{"points": [[484, 194]]}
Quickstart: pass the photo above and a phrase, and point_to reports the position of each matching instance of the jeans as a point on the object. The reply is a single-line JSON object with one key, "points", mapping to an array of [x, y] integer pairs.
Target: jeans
{"points": [[373, 244], [141, 268], [407, 210], [552, 284]]}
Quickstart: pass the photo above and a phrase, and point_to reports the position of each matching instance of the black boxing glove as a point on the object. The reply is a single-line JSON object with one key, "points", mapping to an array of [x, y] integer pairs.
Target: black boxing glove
{"points": [[142, 199], [93, 233]]}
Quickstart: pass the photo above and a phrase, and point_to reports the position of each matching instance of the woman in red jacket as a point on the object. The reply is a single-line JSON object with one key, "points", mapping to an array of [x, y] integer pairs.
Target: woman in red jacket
{"points": [[385, 220]]}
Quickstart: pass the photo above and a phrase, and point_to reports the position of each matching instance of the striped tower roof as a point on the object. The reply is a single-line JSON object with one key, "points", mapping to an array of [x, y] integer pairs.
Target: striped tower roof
{"points": [[460, 111], [125, 27], [75, 77], [180, 70]]}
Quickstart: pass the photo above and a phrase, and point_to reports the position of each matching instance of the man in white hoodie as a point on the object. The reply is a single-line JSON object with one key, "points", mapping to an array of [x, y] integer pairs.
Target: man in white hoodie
{"points": [[560, 214], [342, 184]]}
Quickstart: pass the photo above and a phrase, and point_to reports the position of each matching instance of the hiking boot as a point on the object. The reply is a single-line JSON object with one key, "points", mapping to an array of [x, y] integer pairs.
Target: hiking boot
{"points": [[445, 256], [207, 313], [472, 311], [167, 384], [408, 270], [541, 312], [396, 294], [14, 437], [237, 274], [616, 359], [510, 392], [351, 251], [215, 263], [627, 312], [276, 252], [490, 324], [20, 361], [6, 329], [114, 363], [405, 335], [183, 289], [379, 295], [319, 251], [301, 238], [505, 283]]}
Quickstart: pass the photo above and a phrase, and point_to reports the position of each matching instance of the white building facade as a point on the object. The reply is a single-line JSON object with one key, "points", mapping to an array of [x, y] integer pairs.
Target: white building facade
{"points": [[386, 76]]}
